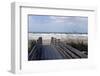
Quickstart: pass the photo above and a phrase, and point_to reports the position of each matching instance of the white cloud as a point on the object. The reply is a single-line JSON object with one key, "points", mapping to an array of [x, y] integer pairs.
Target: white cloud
{"points": [[58, 19], [68, 19]]}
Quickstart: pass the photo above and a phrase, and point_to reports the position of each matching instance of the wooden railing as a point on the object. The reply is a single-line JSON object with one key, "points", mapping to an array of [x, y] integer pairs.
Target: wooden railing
{"points": [[35, 52], [66, 50]]}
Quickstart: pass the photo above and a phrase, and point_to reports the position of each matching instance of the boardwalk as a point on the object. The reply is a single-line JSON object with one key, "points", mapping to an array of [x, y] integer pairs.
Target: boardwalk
{"points": [[49, 52], [55, 49]]}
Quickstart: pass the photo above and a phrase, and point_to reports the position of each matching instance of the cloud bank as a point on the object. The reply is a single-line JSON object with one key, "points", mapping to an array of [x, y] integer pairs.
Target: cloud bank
{"points": [[66, 24]]}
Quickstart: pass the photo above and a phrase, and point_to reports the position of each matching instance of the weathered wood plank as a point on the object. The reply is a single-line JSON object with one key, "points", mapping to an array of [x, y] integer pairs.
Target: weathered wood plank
{"points": [[69, 52], [75, 51], [62, 52]]}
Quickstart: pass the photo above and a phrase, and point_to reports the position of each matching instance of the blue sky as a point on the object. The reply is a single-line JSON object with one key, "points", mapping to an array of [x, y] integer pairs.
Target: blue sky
{"points": [[40, 23]]}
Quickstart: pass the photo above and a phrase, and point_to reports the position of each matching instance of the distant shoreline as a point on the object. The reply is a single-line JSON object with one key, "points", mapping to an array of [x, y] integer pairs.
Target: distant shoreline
{"points": [[56, 33]]}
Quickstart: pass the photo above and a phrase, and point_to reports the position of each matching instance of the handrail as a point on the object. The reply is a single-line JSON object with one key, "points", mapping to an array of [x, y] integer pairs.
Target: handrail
{"points": [[74, 53]]}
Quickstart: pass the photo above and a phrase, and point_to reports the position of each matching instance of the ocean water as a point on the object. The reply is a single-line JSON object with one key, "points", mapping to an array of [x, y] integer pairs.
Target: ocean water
{"points": [[56, 35]]}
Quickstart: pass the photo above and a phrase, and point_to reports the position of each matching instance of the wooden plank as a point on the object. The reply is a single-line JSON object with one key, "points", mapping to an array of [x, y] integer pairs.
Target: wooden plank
{"points": [[65, 54], [75, 51], [32, 50], [69, 52]]}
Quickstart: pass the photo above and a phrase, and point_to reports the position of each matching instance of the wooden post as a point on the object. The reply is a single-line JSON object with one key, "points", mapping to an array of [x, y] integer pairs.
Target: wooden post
{"points": [[52, 42]]}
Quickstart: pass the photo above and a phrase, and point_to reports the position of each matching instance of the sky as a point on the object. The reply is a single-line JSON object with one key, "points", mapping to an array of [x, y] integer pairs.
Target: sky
{"points": [[44, 23]]}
